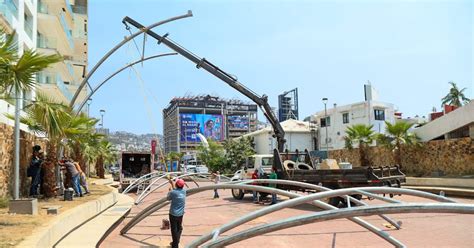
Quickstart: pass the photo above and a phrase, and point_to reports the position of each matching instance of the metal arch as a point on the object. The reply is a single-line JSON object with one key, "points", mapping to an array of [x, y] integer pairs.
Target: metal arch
{"points": [[251, 216], [345, 213], [163, 202], [147, 190], [140, 179], [125, 40], [84, 102], [146, 178]]}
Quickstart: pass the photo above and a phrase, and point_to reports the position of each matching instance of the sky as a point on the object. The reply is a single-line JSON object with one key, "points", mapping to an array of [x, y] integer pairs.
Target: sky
{"points": [[408, 50]]}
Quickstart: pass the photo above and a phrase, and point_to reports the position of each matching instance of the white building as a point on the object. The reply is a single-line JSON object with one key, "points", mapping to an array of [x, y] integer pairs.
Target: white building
{"points": [[298, 134], [340, 117], [49, 27]]}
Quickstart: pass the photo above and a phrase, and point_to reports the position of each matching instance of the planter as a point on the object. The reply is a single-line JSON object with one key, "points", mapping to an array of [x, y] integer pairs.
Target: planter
{"points": [[24, 206]]}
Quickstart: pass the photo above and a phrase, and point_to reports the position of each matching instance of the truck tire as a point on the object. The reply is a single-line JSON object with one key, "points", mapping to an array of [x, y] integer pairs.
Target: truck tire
{"points": [[263, 195], [238, 194]]}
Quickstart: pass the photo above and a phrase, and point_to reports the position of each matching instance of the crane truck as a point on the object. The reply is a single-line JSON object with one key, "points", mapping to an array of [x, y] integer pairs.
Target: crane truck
{"points": [[297, 166]]}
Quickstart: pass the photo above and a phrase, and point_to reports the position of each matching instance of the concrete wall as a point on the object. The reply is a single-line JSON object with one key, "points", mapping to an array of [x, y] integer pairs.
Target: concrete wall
{"points": [[7, 144], [453, 157]]}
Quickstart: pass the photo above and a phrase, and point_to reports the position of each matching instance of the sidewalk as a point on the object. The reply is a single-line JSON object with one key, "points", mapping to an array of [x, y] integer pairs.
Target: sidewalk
{"points": [[463, 187], [58, 227]]}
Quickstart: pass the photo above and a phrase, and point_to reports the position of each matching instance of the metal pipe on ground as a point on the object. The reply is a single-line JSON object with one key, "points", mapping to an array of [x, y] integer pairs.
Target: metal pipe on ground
{"points": [[344, 213]]}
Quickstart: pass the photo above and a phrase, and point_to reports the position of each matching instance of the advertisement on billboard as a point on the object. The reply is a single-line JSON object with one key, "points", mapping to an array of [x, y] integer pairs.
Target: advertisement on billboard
{"points": [[238, 122], [208, 125]]}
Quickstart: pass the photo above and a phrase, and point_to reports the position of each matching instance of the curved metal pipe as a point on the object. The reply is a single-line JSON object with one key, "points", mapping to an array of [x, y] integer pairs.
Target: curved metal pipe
{"points": [[145, 192], [138, 180], [344, 213], [106, 56], [163, 202], [84, 102]]}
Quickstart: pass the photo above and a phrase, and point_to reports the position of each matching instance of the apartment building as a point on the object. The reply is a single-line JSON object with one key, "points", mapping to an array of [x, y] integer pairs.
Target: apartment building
{"points": [[50, 27], [62, 28]]}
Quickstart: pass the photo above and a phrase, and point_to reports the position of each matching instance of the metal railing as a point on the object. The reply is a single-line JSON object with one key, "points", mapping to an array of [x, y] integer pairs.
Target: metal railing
{"points": [[46, 42]]}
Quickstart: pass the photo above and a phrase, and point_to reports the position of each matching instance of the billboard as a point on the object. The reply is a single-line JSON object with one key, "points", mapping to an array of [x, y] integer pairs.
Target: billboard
{"points": [[211, 126], [238, 122]]}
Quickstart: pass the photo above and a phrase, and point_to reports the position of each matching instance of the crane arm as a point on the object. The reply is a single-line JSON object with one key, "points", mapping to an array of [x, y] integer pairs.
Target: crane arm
{"points": [[261, 101]]}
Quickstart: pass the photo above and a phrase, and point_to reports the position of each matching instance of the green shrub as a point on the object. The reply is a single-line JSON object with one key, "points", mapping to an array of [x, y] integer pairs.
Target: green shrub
{"points": [[3, 202]]}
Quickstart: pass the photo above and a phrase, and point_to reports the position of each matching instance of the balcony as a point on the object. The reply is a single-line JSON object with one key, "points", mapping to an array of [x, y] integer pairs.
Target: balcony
{"points": [[29, 29], [54, 85], [46, 43], [67, 29], [8, 9]]}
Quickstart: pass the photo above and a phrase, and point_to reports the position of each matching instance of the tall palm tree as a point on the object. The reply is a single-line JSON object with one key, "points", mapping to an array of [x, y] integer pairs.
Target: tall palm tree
{"points": [[362, 135], [455, 97], [106, 155], [49, 118], [398, 135], [17, 73]]}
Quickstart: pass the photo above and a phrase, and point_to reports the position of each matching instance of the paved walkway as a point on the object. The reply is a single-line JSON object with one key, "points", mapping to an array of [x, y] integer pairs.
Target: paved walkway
{"points": [[204, 214]]}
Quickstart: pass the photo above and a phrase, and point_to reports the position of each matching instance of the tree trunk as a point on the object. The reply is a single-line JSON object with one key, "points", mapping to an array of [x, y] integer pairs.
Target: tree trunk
{"points": [[99, 167], [49, 166], [79, 157], [398, 155], [363, 153]]}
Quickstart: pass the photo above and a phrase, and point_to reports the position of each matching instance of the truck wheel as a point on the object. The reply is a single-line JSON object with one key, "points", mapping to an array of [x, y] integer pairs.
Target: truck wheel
{"points": [[263, 195], [238, 194], [334, 201]]}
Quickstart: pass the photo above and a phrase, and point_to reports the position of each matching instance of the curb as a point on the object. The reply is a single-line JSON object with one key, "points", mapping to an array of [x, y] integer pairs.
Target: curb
{"points": [[468, 193], [97, 228], [66, 222]]}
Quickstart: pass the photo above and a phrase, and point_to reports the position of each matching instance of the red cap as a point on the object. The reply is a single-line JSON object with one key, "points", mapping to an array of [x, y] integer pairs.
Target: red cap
{"points": [[180, 183]]}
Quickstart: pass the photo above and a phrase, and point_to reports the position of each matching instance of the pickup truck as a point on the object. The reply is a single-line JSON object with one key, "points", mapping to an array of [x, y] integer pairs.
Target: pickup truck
{"points": [[299, 167]]}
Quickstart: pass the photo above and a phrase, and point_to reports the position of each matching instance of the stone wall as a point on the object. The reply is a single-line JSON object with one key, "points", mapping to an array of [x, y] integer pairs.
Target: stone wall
{"points": [[454, 157], [7, 145]]}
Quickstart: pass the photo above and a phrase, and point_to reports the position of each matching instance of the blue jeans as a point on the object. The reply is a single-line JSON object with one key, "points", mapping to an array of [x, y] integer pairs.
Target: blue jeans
{"points": [[216, 195], [255, 196], [274, 198], [76, 184]]}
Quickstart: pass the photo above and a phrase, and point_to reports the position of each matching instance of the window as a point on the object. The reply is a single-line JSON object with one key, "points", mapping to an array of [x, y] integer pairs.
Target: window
{"points": [[325, 122], [345, 118], [379, 114]]}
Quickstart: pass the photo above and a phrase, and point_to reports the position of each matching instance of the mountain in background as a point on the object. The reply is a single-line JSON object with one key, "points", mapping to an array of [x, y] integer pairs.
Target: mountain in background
{"points": [[125, 141]]}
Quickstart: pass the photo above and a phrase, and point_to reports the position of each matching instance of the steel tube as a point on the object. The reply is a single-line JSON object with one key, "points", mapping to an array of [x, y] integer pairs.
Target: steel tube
{"points": [[161, 203], [138, 180], [145, 192], [84, 102], [344, 213], [106, 56]]}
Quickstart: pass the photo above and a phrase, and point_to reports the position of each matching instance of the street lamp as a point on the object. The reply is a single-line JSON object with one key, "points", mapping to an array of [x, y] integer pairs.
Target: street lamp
{"points": [[325, 101], [102, 113], [89, 101]]}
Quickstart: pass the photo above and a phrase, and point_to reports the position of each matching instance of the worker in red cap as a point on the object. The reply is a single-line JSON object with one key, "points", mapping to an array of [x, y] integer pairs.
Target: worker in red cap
{"points": [[178, 199]]}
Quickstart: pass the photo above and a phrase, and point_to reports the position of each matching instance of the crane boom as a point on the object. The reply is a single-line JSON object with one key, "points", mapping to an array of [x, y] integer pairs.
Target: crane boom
{"points": [[261, 101]]}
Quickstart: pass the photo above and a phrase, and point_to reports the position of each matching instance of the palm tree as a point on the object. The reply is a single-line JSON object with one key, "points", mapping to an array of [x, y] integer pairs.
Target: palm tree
{"points": [[362, 135], [455, 97], [106, 155], [48, 118], [17, 73], [397, 136], [79, 133]]}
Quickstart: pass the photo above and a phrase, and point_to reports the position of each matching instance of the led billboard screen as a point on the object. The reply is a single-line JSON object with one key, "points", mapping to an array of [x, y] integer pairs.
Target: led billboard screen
{"points": [[238, 122], [208, 125]]}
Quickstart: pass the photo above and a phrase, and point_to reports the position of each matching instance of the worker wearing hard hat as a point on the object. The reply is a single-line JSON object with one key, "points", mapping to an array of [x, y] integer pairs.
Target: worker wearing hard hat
{"points": [[178, 200]]}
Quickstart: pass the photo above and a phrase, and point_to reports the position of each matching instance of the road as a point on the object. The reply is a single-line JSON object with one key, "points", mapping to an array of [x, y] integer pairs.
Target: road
{"points": [[203, 214]]}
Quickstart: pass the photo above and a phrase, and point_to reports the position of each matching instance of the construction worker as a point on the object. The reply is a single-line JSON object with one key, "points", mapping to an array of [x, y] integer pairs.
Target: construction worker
{"points": [[178, 199], [273, 175]]}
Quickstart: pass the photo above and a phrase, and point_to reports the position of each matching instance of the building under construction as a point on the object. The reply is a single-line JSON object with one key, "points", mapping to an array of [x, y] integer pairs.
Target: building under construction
{"points": [[212, 117]]}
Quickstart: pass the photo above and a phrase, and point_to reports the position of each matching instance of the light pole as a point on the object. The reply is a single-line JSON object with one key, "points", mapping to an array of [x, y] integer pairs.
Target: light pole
{"points": [[325, 101], [89, 101], [102, 113]]}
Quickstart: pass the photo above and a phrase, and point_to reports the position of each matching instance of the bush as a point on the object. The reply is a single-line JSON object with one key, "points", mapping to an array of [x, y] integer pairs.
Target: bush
{"points": [[3, 202]]}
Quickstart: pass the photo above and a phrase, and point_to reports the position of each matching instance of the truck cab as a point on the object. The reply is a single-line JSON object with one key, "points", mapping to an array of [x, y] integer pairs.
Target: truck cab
{"points": [[261, 162]]}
